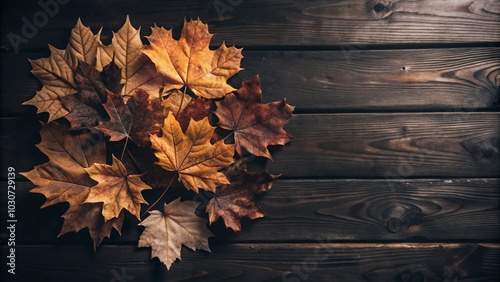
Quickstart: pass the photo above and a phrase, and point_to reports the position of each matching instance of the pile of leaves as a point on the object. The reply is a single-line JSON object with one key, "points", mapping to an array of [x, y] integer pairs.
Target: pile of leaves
{"points": [[128, 117]]}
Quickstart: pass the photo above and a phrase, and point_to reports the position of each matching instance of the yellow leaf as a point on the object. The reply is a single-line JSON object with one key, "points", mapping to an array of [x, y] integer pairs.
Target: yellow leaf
{"points": [[191, 154], [189, 61], [167, 231], [116, 189]]}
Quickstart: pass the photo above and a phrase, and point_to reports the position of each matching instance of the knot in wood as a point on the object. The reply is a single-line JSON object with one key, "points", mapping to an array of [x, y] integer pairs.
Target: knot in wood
{"points": [[379, 7], [394, 224]]}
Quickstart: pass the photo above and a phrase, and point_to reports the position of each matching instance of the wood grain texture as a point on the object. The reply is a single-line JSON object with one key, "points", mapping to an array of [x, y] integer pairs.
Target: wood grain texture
{"points": [[458, 79], [379, 145], [399, 145], [322, 261], [354, 23], [307, 210]]}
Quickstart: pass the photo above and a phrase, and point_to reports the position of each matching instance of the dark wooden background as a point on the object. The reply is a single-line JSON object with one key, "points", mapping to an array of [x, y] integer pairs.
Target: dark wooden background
{"points": [[394, 174]]}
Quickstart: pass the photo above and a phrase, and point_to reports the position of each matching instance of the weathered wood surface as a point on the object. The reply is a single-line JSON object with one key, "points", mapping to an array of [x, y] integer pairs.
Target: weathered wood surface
{"points": [[379, 145], [458, 79], [394, 173], [355, 23], [305, 210], [322, 261]]}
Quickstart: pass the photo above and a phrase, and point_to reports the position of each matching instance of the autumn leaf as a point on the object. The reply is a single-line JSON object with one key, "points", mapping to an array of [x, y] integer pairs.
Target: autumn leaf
{"points": [[82, 45], [255, 125], [234, 201], [57, 71], [137, 70], [191, 154], [188, 62], [135, 120], [85, 107], [116, 189], [176, 101], [64, 179], [165, 232]]}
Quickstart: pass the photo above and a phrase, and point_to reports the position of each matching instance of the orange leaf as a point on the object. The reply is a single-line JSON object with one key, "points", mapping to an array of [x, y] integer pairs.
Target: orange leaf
{"points": [[189, 61], [191, 154], [116, 189]]}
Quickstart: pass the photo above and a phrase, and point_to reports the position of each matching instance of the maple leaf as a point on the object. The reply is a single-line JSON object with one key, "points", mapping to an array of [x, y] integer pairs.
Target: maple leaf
{"points": [[57, 71], [116, 189], [237, 200], [176, 101], [255, 125], [126, 52], [64, 179], [85, 107], [166, 232], [188, 62], [191, 154], [135, 120], [82, 45]]}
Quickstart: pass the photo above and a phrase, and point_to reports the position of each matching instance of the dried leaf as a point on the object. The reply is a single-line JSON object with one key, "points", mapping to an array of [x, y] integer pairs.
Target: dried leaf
{"points": [[116, 189], [82, 45], [255, 125], [57, 71], [191, 154], [137, 70], [56, 75], [167, 231], [188, 62], [176, 101], [64, 179], [135, 120], [237, 200], [85, 107]]}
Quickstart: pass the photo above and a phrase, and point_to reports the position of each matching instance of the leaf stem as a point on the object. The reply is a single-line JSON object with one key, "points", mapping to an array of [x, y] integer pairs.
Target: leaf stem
{"points": [[161, 196], [124, 148], [182, 100], [227, 136]]}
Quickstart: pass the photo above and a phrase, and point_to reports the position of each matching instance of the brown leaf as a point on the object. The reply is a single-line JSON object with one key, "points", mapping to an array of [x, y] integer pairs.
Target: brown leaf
{"points": [[135, 120], [191, 154], [56, 75], [167, 231], [188, 62], [197, 109], [57, 71], [137, 70], [234, 201], [116, 189], [255, 125], [64, 179], [82, 45], [85, 107]]}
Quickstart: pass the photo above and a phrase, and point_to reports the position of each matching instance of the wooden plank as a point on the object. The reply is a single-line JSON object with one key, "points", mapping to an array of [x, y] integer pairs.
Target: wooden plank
{"points": [[353, 23], [459, 79], [398, 145], [306, 210], [263, 262], [380, 145]]}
